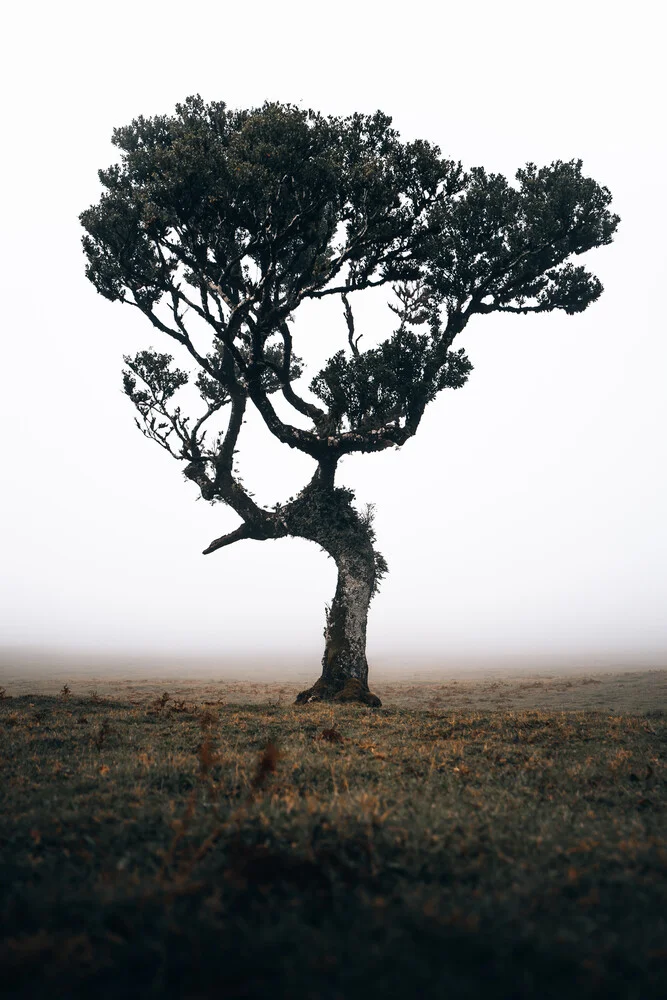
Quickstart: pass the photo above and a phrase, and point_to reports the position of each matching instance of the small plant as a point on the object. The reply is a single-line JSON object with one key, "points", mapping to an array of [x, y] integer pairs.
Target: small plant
{"points": [[95, 697], [65, 692], [159, 704], [207, 718], [266, 766], [3, 694], [331, 736], [207, 758], [103, 733]]}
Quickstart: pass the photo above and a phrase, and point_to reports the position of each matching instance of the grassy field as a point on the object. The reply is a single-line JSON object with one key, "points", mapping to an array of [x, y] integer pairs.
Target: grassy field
{"points": [[183, 845]]}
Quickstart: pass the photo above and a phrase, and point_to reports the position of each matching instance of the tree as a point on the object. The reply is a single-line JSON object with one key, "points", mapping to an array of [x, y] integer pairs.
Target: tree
{"points": [[229, 220]]}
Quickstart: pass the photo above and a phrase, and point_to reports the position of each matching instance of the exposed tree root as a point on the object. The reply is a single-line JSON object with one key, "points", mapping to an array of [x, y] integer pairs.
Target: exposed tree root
{"points": [[352, 691]]}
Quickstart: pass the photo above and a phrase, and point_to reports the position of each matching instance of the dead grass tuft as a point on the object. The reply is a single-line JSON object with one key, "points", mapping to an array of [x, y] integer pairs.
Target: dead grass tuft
{"points": [[207, 758], [266, 766], [158, 705], [331, 736], [207, 718], [103, 734]]}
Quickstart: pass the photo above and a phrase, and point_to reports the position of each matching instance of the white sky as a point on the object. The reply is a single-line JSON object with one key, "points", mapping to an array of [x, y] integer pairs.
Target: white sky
{"points": [[528, 515]]}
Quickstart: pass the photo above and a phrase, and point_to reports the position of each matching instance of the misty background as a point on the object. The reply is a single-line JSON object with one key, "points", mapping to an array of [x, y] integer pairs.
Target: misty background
{"points": [[524, 522]]}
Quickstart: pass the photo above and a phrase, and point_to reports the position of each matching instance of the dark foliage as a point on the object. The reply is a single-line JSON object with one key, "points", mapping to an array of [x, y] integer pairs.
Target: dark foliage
{"points": [[238, 217]]}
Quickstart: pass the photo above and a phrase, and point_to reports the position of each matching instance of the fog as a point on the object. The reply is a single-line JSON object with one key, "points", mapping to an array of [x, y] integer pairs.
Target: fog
{"points": [[524, 523]]}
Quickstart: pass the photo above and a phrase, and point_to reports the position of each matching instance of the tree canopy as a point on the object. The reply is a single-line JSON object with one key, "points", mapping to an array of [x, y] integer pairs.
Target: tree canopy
{"points": [[240, 216]]}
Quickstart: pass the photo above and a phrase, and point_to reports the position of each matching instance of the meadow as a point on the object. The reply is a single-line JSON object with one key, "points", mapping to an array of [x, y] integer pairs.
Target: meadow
{"points": [[488, 839]]}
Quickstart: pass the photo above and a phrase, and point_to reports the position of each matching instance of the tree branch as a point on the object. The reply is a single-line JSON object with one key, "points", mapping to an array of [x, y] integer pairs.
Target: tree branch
{"points": [[315, 413], [181, 337], [304, 441], [349, 319], [243, 531], [489, 307]]}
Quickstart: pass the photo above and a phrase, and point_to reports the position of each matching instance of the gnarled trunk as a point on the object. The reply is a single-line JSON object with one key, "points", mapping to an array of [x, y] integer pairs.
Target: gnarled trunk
{"points": [[344, 665]]}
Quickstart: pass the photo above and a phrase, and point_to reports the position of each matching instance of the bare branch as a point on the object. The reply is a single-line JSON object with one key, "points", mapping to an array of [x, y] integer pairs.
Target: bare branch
{"points": [[195, 441], [217, 288], [243, 531], [225, 456], [489, 307], [304, 441], [177, 335], [153, 435], [303, 406], [349, 319], [343, 289]]}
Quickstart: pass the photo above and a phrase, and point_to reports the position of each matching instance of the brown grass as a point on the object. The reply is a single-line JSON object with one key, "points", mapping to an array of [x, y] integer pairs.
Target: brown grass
{"points": [[158, 846]]}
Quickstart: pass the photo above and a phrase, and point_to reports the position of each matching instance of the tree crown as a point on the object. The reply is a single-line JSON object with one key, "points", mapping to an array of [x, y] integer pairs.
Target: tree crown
{"points": [[238, 217]]}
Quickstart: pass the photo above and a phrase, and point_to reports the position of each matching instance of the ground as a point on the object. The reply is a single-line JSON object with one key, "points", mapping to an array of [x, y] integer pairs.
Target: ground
{"points": [[503, 837]]}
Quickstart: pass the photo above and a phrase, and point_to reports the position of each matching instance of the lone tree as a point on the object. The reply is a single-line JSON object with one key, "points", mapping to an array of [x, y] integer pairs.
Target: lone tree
{"points": [[232, 219]]}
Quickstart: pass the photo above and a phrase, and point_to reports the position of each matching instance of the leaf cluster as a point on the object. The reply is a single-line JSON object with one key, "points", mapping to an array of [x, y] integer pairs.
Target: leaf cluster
{"points": [[218, 191], [506, 248], [384, 384]]}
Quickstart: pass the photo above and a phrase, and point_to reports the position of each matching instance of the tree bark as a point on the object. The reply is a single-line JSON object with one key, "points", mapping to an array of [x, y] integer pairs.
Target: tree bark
{"points": [[348, 539]]}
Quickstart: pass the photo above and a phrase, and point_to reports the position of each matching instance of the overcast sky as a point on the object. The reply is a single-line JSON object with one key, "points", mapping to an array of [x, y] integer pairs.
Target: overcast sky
{"points": [[528, 515]]}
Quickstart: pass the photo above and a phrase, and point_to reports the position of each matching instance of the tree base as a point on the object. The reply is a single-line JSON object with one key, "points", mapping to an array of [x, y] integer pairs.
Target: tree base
{"points": [[352, 691]]}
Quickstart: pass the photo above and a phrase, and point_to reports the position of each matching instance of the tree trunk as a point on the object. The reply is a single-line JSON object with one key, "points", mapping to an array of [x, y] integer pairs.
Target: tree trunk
{"points": [[344, 665]]}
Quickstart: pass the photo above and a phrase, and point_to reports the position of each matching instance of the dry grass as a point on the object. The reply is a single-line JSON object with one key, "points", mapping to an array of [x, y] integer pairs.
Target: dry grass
{"points": [[629, 691], [161, 846]]}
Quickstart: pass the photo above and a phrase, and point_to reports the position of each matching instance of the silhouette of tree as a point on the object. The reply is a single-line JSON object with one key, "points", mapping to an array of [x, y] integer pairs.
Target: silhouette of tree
{"points": [[227, 221]]}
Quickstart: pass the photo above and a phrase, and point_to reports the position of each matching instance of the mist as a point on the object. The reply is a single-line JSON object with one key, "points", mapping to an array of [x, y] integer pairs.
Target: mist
{"points": [[525, 522]]}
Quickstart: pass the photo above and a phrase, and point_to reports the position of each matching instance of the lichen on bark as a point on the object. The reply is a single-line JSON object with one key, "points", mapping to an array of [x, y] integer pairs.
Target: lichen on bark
{"points": [[328, 517]]}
